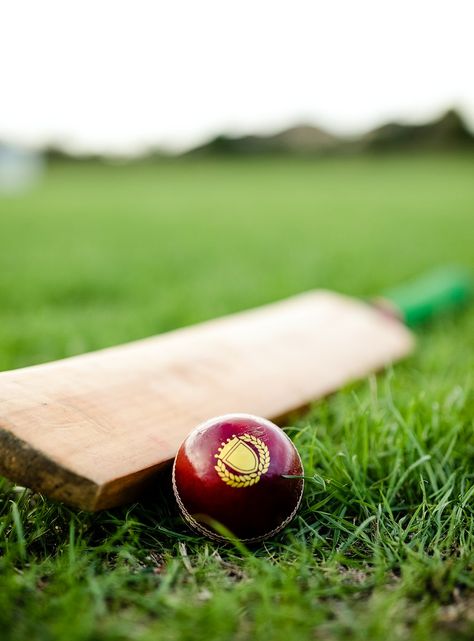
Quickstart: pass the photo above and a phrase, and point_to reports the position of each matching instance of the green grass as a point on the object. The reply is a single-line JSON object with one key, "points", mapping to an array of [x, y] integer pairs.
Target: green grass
{"points": [[383, 546]]}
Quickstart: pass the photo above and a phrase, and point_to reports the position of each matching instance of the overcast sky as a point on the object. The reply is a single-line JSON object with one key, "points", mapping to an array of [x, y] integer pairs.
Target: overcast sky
{"points": [[121, 75]]}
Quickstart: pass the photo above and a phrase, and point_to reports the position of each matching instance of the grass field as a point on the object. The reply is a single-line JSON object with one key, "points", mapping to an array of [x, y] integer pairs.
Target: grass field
{"points": [[383, 546]]}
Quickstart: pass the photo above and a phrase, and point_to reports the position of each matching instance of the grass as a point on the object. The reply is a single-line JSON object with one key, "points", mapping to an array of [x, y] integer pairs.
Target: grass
{"points": [[383, 546]]}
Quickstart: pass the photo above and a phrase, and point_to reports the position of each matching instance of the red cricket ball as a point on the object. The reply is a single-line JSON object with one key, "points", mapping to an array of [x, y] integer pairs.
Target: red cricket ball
{"points": [[231, 470]]}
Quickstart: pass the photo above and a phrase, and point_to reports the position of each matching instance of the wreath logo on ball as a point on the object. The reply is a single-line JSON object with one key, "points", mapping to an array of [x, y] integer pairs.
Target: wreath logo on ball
{"points": [[242, 460]]}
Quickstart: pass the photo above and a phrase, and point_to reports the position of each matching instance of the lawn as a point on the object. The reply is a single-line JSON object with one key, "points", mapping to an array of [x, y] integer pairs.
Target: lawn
{"points": [[383, 546]]}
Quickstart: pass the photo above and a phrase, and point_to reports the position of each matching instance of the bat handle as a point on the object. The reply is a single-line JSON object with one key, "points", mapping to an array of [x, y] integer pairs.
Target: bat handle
{"points": [[433, 293]]}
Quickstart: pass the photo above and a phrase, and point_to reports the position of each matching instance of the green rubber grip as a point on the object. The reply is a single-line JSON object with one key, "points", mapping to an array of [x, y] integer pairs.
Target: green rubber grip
{"points": [[431, 294]]}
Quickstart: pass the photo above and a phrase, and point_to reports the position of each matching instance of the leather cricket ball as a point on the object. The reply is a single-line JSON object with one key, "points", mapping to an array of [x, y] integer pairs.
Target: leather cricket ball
{"points": [[231, 471]]}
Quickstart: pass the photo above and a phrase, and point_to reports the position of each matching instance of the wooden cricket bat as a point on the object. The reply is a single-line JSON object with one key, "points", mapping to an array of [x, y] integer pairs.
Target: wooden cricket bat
{"points": [[93, 430]]}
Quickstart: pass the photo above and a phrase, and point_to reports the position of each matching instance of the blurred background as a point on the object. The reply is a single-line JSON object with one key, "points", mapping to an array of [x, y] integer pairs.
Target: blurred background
{"points": [[164, 163]]}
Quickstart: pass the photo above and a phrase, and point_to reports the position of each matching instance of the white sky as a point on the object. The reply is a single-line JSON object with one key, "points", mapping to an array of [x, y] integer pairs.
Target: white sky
{"points": [[120, 75]]}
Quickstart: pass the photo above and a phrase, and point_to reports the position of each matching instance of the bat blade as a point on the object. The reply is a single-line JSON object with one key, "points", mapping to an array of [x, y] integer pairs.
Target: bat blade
{"points": [[91, 430]]}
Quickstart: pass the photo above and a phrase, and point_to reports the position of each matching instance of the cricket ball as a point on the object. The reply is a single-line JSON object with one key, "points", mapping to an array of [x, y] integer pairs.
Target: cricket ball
{"points": [[233, 471]]}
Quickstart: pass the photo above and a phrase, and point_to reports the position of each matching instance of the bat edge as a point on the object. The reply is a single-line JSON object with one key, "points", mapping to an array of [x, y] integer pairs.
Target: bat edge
{"points": [[30, 467]]}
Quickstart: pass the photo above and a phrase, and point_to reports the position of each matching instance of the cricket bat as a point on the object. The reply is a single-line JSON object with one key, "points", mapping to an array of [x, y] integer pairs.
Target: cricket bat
{"points": [[93, 430]]}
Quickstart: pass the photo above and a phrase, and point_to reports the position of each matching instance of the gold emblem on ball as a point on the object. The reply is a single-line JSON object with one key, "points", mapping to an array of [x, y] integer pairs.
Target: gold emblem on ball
{"points": [[242, 460]]}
